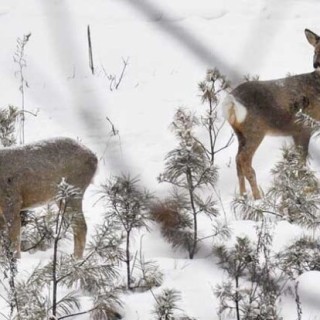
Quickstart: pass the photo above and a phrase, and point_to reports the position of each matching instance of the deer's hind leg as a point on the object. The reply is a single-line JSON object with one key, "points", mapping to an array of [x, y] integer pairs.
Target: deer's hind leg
{"points": [[246, 149], [79, 226]]}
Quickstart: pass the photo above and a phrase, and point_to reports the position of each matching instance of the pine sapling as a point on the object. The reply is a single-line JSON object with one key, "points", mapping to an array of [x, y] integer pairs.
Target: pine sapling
{"points": [[127, 207], [8, 119], [253, 287], [166, 306], [301, 256], [20, 60], [65, 193], [295, 189], [211, 89], [236, 262], [188, 169]]}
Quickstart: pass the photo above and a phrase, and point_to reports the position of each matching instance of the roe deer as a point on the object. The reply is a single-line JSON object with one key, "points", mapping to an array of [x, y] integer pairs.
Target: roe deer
{"points": [[29, 176], [258, 108]]}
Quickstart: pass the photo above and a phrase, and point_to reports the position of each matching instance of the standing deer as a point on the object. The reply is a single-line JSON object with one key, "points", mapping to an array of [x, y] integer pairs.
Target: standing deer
{"points": [[258, 108], [29, 176]]}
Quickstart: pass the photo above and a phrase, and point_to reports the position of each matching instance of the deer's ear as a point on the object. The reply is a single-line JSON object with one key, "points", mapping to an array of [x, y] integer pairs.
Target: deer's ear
{"points": [[312, 37]]}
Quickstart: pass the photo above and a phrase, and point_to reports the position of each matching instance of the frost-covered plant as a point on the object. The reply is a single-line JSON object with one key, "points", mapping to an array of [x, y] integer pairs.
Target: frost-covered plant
{"points": [[8, 117], [236, 261], [188, 169], [264, 274], [301, 256], [166, 306], [128, 207], [252, 289], [295, 190], [249, 209], [95, 275], [9, 270], [40, 226], [38, 229], [151, 276], [20, 60], [307, 121], [66, 192], [250, 77], [211, 89]]}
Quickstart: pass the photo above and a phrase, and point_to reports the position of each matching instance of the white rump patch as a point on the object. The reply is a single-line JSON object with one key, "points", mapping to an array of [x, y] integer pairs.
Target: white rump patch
{"points": [[233, 110]]}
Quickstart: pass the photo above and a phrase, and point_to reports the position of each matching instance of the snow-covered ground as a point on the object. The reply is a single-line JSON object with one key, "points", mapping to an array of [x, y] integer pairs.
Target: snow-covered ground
{"points": [[169, 45]]}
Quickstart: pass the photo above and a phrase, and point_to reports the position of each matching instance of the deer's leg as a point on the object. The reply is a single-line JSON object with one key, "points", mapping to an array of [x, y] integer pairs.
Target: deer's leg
{"points": [[302, 140], [247, 148], [79, 227], [11, 215], [242, 184]]}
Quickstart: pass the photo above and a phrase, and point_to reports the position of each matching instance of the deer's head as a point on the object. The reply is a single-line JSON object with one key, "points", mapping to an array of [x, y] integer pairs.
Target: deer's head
{"points": [[314, 41]]}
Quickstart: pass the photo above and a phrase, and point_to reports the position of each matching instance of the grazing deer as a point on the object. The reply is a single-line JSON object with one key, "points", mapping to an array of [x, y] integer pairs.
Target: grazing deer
{"points": [[258, 108], [29, 176]]}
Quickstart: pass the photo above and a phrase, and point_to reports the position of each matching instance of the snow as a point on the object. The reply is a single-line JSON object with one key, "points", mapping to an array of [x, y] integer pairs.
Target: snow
{"points": [[169, 45]]}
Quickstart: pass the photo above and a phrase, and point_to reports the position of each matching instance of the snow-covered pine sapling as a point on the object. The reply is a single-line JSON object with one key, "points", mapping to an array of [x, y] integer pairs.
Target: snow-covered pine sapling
{"points": [[38, 227], [66, 193], [8, 117], [255, 296], [236, 261], [95, 274], [188, 169], [151, 276], [20, 60], [301, 256], [248, 209], [211, 89], [127, 207], [8, 264], [295, 190], [266, 280], [166, 306]]}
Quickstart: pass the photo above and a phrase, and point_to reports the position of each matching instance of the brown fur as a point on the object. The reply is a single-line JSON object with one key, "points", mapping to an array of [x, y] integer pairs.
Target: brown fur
{"points": [[29, 176], [175, 226], [271, 107], [166, 214]]}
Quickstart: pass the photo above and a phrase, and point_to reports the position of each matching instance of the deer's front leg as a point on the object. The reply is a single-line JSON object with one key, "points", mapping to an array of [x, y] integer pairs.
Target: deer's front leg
{"points": [[12, 231]]}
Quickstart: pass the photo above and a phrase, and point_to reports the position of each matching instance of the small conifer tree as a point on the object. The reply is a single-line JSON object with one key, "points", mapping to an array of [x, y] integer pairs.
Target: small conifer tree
{"points": [[8, 117], [188, 169], [128, 208], [301, 256], [252, 289], [211, 88], [166, 306], [295, 190], [20, 59]]}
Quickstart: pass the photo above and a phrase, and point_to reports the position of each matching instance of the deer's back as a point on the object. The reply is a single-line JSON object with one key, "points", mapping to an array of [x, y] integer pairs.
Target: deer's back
{"points": [[33, 171], [274, 103]]}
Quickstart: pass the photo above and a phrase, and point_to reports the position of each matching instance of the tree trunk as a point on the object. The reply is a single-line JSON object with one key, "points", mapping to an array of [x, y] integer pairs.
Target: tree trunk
{"points": [[128, 260], [237, 298], [194, 213]]}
